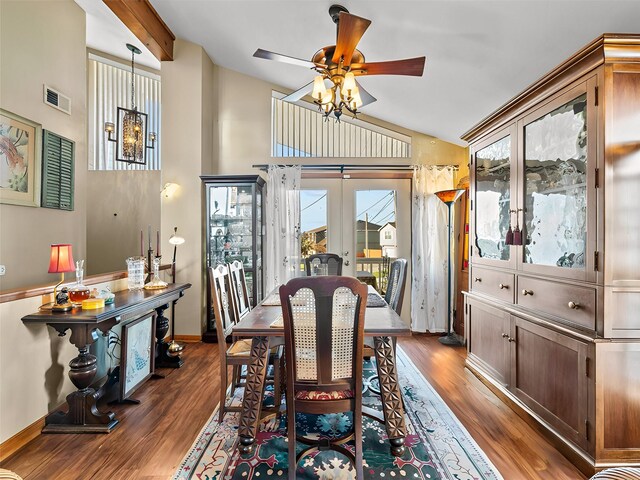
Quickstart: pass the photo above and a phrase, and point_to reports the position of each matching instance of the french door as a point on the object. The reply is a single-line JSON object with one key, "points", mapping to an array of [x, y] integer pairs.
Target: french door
{"points": [[367, 221]]}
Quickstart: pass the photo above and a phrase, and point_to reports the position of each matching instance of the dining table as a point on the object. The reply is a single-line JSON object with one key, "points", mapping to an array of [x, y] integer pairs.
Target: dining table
{"points": [[263, 325]]}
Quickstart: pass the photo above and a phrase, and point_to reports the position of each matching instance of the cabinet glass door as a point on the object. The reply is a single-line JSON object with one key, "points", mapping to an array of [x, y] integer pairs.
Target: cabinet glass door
{"points": [[556, 188], [493, 194], [230, 227]]}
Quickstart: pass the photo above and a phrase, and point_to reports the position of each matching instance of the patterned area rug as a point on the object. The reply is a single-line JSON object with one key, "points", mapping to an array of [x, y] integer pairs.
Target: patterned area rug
{"points": [[438, 446]]}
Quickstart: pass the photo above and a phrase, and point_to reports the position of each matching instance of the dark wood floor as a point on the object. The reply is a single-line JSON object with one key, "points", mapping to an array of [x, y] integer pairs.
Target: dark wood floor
{"points": [[154, 436]]}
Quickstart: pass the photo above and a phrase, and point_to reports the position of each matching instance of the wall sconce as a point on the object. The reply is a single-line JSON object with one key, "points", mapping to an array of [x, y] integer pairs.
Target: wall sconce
{"points": [[169, 189]]}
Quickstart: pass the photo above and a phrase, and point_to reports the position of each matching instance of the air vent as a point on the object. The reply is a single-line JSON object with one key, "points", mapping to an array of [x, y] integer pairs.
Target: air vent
{"points": [[55, 99]]}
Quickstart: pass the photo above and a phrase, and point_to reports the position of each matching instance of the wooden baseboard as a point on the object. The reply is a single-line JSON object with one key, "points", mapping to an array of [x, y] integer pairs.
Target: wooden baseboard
{"points": [[20, 439], [188, 338]]}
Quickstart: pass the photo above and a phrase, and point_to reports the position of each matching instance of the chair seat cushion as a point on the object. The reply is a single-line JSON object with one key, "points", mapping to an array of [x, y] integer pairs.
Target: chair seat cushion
{"points": [[243, 348], [319, 395]]}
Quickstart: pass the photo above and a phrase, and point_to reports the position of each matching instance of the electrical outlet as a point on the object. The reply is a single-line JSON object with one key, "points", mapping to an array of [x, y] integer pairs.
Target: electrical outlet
{"points": [[3, 269]]}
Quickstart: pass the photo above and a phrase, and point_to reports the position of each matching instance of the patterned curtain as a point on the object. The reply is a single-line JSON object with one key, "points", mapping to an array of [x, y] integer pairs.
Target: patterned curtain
{"points": [[429, 249], [282, 247]]}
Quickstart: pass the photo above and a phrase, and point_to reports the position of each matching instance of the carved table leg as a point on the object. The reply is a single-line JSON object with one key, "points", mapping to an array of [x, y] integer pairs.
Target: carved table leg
{"points": [[163, 360], [390, 392], [83, 415], [252, 401]]}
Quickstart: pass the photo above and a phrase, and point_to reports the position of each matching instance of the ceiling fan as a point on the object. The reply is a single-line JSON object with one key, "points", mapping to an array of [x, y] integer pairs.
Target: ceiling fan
{"points": [[335, 88]]}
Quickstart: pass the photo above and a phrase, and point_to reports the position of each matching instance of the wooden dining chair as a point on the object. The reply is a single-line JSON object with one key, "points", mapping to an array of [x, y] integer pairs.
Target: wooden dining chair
{"points": [[394, 296], [313, 264], [324, 332], [238, 353], [396, 284], [241, 300]]}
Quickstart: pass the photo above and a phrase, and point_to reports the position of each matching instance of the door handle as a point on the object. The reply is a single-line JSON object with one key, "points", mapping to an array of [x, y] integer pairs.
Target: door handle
{"points": [[346, 263]]}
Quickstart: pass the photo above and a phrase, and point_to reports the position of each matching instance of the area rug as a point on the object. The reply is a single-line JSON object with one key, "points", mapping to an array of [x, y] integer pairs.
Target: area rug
{"points": [[438, 446]]}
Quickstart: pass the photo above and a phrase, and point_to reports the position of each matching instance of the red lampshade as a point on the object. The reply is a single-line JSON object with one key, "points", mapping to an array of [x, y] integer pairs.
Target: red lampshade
{"points": [[61, 258]]}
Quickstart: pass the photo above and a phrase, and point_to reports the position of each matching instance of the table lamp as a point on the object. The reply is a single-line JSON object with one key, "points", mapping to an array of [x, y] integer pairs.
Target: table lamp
{"points": [[174, 348], [449, 197], [61, 261]]}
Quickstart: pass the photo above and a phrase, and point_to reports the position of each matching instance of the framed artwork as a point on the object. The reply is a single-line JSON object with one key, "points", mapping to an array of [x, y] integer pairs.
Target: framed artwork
{"points": [[137, 355], [20, 154]]}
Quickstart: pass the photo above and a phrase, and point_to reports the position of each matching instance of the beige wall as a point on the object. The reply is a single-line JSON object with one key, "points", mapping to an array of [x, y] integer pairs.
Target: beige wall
{"points": [[187, 143], [43, 42], [120, 204], [33, 365]]}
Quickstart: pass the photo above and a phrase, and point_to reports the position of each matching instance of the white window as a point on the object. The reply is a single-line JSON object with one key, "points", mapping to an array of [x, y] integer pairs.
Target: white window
{"points": [[300, 130], [387, 235], [110, 88]]}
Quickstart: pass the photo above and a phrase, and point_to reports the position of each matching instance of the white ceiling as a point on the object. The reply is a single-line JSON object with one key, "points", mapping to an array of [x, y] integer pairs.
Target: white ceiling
{"points": [[105, 32], [479, 53]]}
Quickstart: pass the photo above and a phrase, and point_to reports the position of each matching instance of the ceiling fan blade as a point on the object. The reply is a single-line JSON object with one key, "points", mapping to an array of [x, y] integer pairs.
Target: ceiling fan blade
{"points": [[298, 94], [365, 96], [409, 66], [278, 57], [350, 31]]}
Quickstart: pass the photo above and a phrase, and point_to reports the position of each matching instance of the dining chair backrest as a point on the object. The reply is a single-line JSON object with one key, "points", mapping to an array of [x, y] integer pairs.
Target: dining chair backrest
{"points": [[323, 264], [396, 284], [222, 301], [324, 332], [241, 301]]}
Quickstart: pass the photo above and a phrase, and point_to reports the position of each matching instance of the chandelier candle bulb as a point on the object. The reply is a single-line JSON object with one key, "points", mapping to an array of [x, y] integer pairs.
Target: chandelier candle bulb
{"points": [[349, 84], [319, 90]]}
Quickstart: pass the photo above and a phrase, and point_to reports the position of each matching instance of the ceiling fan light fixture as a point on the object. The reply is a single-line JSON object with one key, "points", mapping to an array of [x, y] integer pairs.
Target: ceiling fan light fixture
{"points": [[335, 89]]}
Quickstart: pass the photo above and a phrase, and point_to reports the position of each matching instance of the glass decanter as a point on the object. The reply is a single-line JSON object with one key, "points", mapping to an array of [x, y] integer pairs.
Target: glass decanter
{"points": [[79, 291], [155, 281]]}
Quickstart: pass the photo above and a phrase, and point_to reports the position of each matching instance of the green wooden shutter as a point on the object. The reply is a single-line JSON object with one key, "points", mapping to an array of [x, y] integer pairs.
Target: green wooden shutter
{"points": [[57, 171]]}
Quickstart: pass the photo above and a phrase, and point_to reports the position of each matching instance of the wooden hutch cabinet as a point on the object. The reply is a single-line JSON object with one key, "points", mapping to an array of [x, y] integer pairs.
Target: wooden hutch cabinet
{"points": [[553, 307]]}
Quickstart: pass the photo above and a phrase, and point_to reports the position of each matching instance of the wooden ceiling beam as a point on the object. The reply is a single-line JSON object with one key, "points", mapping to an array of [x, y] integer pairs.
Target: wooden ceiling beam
{"points": [[142, 19]]}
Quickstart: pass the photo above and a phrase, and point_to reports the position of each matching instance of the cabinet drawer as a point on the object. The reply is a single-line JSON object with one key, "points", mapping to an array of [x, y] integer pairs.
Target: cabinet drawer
{"points": [[497, 284], [574, 304]]}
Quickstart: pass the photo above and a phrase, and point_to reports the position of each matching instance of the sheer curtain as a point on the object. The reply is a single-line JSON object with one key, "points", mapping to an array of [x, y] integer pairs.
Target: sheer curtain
{"points": [[429, 249], [282, 247]]}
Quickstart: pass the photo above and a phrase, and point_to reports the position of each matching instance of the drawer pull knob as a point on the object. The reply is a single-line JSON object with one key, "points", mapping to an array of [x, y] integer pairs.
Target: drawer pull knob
{"points": [[477, 279], [505, 335], [503, 286], [527, 292], [511, 339], [573, 305]]}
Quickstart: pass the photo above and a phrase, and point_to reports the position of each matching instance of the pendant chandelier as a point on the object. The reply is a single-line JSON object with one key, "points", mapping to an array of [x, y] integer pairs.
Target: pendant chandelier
{"points": [[131, 132]]}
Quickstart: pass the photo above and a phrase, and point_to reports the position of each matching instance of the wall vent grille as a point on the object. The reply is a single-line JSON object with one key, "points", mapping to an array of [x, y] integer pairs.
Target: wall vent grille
{"points": [[57, 100]]}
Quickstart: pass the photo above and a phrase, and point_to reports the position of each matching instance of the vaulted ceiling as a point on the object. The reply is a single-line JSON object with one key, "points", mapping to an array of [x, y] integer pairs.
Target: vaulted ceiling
{"points": [[479, 53]]}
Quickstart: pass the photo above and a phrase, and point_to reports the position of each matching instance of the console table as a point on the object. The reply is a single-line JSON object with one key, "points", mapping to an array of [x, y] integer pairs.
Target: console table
{"points": [[85, 325]]}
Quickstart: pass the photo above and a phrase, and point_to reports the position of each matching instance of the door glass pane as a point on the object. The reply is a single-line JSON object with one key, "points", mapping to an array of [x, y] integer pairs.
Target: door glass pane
{"points": [[493, 199], [376, 244], [313, 223], [555, 187]]}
